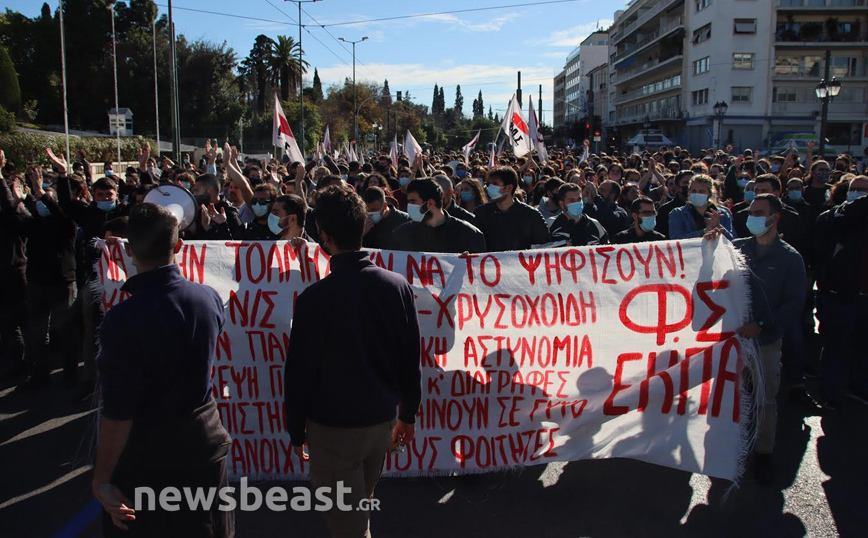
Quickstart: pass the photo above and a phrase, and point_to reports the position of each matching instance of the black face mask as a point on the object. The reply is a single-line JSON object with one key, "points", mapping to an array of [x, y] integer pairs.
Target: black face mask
{"points": [[203, 199], [841, 168]]}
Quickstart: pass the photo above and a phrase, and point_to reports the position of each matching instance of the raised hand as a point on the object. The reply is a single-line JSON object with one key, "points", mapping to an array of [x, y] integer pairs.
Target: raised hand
{"points": [[144, 155], [34, 177], [217, 218], [58, 162]]}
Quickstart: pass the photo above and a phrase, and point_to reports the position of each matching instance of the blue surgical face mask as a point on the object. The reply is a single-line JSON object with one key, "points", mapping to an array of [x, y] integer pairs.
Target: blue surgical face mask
{"points": [[345, 177], [466, 196], [742, 181], [493, 191], [749, 196], [259, 209], [795, 196], [822, 177], [461, 173], [46, 184], [375, 216], [698, 200], [403, 181], [186, 184], [528, 179], [274, 224], [855, 195], [109, 173], [415, 212], [42, 209], [776, 168], [757, 225], [107, 206], [648, 223], [575, 209]]}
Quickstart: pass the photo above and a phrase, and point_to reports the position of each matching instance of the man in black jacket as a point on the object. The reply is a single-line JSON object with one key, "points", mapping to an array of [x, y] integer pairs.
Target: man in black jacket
{"points": [[435, 230], [344, 377], [644, 221], [51, 278], [13, 263], [90, 218], [383, 219], [682, 183], [159, 425], [573, 226], [842, 301], [507, 223]]}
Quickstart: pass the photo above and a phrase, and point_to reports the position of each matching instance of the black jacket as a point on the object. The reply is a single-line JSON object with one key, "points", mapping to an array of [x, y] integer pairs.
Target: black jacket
{"points": [[459, 212], [580, 233], [50, 244], [12, 218], [454, 235], [354, 350], [629, 236], [521, 227], [841, 249], [663, 214], [380, 235], [790, 225]]}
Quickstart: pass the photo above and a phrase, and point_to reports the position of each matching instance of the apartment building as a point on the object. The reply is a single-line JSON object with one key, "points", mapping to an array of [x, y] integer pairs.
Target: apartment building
{"points": [[598, 99], [671, 61], [559, 101]]}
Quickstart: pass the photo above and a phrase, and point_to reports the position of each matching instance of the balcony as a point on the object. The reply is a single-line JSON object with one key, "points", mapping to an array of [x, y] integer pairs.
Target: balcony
{"points": [[651, 10], [649, 67], [837, 109], [664, 29], [826, 34], [639, 94], [663, 114], [823, 6]]}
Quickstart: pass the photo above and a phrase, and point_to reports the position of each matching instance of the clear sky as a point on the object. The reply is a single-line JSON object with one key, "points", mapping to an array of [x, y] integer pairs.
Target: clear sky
{"points": [[480, 50]]}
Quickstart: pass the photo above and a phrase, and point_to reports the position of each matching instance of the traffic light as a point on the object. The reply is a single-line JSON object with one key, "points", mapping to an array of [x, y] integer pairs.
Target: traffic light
{"points": [[399, 96], [587, 126]]}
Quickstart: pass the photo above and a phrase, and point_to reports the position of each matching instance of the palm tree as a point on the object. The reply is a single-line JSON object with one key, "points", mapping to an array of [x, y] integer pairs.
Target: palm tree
{"points": [[284, 66]]}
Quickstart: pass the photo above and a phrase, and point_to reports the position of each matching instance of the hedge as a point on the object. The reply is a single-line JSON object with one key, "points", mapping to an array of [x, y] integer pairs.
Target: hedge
{"points": [[22, 148]]}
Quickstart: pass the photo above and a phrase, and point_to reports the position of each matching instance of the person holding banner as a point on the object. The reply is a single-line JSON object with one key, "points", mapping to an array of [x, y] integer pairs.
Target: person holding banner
{"points": [[343, 379], [159, 425], [777, 286], [383, 218], [507, 223], [432, 229]]}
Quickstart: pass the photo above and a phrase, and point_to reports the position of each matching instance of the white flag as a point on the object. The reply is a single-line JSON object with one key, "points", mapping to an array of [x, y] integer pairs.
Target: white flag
{"points": [[470, 147], [393, 152], [347, 153], [362, 158], [536, 136], [516, 129], [411, 147], [281, 134], [327, 141], [492, 159], [353, 156], [586, 151]]}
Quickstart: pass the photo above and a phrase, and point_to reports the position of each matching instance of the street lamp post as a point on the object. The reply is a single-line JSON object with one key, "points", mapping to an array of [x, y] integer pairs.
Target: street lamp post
{"points": [[719, 109], [301, 70], [826, 92], [355, 116]]}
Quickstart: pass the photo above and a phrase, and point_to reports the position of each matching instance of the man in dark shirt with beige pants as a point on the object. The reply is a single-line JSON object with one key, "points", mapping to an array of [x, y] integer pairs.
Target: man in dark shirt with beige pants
{"points": [[344, 375]]}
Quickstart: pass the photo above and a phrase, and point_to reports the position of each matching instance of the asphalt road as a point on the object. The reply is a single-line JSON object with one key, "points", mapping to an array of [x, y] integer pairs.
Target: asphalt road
{"points": [[821, 488]]}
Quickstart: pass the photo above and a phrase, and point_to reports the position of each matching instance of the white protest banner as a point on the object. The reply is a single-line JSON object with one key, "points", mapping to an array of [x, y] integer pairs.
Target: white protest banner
{"points": [[527, 357]]}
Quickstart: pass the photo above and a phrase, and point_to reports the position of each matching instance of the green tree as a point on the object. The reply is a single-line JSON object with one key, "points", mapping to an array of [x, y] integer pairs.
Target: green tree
{"points": [[435, 103], [316, 92], [10, 92], [284, 66], [459, 101], [256, 69]]}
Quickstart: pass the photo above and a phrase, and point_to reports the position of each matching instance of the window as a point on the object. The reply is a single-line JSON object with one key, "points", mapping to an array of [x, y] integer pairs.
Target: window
{"points": [[843, 66], [742, 60], [741, 94], [786, 66], [784, 95], [702, 34], [701, 66], [699, 97], [813, 66], [744, 26], [702, 4]]}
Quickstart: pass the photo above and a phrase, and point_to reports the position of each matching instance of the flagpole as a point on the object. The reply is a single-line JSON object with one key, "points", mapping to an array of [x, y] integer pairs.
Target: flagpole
{"points": [[63, 76]]}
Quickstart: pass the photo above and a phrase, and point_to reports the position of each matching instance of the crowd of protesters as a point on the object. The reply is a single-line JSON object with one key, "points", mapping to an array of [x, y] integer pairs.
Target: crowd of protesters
{"points": [[801, 214]]}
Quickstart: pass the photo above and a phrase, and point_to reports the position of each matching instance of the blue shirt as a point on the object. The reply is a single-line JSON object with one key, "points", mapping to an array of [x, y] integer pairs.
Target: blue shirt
{"points": [[157, 347]]}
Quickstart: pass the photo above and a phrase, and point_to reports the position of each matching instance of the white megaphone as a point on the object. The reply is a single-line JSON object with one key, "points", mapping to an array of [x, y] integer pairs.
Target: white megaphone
{"points": [[178, 200]]}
